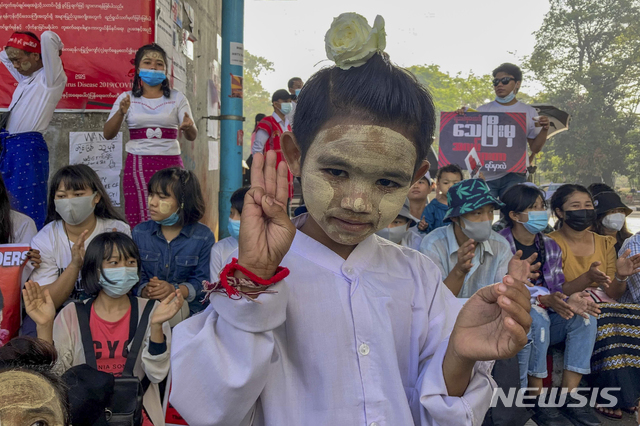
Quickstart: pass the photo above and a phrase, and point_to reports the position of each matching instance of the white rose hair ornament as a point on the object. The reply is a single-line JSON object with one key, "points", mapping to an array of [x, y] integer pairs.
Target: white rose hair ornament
{"points": [[351, 41]]}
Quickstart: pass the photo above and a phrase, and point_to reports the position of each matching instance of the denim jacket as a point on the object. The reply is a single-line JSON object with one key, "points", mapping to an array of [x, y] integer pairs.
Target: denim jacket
{"points": [[183, 261]]}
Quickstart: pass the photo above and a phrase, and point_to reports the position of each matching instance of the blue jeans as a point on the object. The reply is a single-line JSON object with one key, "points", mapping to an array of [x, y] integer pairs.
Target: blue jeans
{"points": [[579, 340], [499, 186]]}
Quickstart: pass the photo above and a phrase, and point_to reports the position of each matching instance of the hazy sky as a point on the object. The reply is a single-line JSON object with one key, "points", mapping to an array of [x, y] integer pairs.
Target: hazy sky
{"points": [[460, 36]]}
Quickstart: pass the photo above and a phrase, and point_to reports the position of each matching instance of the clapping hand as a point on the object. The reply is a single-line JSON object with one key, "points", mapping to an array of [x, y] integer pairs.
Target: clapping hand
{"points": [[267, 232], [597, 276], [523, 269], [158, 289], [626, 265], [38, 303], [582, 304]]}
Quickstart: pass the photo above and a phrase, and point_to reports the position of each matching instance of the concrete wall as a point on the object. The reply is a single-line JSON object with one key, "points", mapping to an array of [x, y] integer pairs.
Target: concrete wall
{"points": [[194, 154]]}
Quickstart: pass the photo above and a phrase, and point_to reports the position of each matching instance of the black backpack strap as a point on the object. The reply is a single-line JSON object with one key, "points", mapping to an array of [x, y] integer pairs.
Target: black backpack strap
{"points": [[133, 320], [84, 316], [136, 345]]}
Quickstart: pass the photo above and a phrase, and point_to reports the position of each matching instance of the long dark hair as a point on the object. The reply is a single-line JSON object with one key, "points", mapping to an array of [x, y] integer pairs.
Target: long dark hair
{"points": [[377, 92], [137, 85], [37, 357], [79, 177], [517, 199], [100, 249], [185, 187], [259, 118], [6, 228], [561, 195]]}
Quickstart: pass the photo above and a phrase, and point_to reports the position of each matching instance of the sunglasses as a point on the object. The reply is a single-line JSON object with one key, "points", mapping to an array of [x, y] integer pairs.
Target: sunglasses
{"points": [[503, 80]]}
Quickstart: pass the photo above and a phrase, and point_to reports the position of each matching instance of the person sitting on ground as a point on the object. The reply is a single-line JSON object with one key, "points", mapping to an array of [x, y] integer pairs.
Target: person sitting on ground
{"points": [[110, 270], [419, 193], [433, 215], [79, 210], [470, 254], [31, 393], [556, 318], [333, 318], [403, 229], [507, 79], [611, 216], [175, 247], [224, 248], [589, 263]]}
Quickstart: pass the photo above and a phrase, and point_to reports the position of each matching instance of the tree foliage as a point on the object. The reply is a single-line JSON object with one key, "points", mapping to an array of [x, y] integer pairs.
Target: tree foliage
{"points": [[587, 57], [257, 100]]}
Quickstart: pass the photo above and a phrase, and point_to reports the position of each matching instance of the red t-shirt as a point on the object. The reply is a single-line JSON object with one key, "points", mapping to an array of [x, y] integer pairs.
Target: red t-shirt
{"points": [[110, 342]]}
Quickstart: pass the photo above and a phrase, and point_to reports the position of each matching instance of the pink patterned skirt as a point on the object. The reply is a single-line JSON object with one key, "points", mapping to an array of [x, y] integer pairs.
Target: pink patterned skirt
{"points": [[138, 170]]}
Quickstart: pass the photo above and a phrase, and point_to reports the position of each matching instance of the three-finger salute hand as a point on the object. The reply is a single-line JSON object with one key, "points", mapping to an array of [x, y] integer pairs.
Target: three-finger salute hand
{"points": [[267, 232], [125, 104], [187, 122]]}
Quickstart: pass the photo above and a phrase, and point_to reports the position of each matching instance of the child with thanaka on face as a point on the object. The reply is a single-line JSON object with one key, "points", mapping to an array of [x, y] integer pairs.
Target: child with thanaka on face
{"points": [[111, 269], [175, 248], [227, 246], [399, 354], [79, 209], [434, 212]]}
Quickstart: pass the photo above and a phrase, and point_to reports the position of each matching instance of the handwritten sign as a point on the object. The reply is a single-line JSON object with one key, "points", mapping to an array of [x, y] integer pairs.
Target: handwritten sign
{"points": [[102, 155], [500, 140]]}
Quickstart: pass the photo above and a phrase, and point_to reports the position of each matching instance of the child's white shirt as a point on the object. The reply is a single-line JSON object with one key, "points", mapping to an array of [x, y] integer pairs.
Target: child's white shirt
{"points": [[345, 342]]}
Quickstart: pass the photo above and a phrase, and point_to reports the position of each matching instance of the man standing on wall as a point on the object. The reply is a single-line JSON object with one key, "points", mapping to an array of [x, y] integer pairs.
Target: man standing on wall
{"points": [[24, 156]]}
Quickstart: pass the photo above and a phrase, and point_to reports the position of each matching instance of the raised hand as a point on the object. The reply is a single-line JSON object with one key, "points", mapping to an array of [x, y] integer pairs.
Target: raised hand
{"points": [[582, 304], [77, 251], [38, 303], [125, 104], [187, 122], [626, 265], [168, 308], [466, 252], [267, 232], [523, 269], [494, 322], [597, 276]]}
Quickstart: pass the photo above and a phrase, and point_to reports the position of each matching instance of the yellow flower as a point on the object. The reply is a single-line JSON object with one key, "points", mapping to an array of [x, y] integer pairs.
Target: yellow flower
{"points": [[351, 41]]}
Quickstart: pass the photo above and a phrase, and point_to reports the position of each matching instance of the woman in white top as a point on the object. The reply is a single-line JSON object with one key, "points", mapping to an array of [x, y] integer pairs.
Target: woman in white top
{"points": [[155, 114], [79, 210]]}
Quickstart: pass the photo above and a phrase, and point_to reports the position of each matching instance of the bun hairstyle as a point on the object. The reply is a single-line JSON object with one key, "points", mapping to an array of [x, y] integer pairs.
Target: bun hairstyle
{"points": [[378, 93], [35, 356], [137, 85]]}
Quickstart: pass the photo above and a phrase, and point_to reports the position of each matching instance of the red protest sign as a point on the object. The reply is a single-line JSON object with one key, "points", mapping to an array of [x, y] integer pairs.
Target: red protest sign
{"points": [[13, 258], [100, 40], [500, 139]]}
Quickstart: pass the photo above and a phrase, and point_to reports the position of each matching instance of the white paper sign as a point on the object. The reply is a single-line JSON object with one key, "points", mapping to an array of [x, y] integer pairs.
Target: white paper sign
{"points": [[237, 54], [111, 182], [214, 156], [92, 149]]}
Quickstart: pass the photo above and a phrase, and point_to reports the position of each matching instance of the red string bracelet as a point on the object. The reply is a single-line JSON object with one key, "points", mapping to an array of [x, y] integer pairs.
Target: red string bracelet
{"points": [[230, 268]]}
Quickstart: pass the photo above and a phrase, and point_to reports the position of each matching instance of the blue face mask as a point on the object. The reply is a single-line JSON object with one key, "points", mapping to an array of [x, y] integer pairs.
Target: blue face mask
{"points": [[152, 77], [538, 221], [169, 221], [122, 280], [298, 92], [233, 226], [506, 99]]}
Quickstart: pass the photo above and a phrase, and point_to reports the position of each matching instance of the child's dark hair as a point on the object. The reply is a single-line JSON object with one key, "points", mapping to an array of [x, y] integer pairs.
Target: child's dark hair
{"points": [[35, 356], [449, 168], [378, 93], [78, 177], [184, 186], [561, 195], [137, 85], [237, 198], [292, 81], [510, 69], [6, 228], [518, 198], [100, 249]]}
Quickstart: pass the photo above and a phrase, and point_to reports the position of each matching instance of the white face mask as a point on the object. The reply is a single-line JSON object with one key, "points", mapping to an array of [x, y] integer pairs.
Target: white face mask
{"points": [[394, 235], [614, 221], [76, 210]]}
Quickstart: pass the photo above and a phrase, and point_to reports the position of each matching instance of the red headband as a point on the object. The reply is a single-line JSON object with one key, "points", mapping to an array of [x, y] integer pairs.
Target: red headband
{"points": [[24, 42]]}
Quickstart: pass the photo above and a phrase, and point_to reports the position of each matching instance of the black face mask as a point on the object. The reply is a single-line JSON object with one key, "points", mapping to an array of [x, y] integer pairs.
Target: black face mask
{"points": [[579, 220]]}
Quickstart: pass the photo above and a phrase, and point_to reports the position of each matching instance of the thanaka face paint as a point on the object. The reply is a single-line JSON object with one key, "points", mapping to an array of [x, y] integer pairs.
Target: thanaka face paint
{"points": [[26, 398], [159, 208], [153, 57], [355, 179], [20, 60]]}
